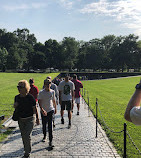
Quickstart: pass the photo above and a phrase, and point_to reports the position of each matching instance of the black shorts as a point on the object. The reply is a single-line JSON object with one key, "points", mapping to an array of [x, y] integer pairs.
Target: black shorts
{"points": [[66, 105]]}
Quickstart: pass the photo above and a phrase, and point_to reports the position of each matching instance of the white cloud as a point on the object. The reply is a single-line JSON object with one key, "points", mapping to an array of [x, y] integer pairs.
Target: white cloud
{"points": [[38, 5], [66, 3], [24, 6], [128, 12]]}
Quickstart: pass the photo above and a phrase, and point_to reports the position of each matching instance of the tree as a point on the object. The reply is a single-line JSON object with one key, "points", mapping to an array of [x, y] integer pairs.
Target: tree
{"points": [[81, 58], [94, 54], [39, 60], [24, 36], [3, 58], [107, 44], [70, 52], [123, 51], [13, 58], [7, 40]]}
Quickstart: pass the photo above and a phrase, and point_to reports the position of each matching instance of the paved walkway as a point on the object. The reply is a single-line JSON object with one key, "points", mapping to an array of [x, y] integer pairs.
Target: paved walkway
{"points": [[77, 142]]}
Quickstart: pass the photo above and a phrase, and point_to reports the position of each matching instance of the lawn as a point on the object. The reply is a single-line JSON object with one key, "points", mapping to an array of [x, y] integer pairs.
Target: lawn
{"points": [[8, 84], [113, 96]]}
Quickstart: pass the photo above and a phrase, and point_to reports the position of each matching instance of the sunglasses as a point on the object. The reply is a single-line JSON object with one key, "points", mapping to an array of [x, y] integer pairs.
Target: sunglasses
{"points": [[20, 87], [48, 83]]}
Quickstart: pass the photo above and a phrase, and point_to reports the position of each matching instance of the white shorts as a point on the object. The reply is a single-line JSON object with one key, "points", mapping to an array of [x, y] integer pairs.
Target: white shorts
{"points": [[77, 100]]}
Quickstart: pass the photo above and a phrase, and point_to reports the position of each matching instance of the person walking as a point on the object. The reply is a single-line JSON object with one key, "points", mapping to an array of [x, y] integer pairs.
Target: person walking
{"points": [[66, 97], [33, 89], [78, 85], [54, 87], [27, 110], [47, 103]]}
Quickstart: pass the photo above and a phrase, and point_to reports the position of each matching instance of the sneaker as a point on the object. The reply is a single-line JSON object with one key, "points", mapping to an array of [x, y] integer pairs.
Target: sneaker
{"points": [[51, 145], [69, 126], [77, 112], [62, 121], [25, 156], [44, 139]]}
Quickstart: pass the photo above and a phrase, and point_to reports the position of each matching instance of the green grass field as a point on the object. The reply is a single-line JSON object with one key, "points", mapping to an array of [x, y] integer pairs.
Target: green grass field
{"points": [[113, 96], [8, 90]]}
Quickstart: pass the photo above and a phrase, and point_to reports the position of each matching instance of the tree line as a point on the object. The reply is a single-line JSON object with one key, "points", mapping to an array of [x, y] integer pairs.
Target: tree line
{"points": [[20, 50]]}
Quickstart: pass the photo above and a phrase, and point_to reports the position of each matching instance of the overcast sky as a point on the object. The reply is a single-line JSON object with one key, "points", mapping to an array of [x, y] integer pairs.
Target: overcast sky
{"points": [[81, 19]]}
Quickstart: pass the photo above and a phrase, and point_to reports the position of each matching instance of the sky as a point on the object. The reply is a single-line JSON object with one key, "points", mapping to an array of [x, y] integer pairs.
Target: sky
{"points": [[81, 19]]}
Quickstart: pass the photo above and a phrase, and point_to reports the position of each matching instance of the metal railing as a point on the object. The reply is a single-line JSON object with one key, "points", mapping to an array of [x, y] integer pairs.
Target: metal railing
{"points": [[85, 96]]}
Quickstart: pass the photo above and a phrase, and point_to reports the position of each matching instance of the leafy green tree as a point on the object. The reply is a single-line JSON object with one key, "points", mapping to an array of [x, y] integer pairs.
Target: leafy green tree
{"points": [[107, 44], [81, 58], [123, 51], [70, 52], [3, 58], [38, 60], [13, 58], [7, 40]]}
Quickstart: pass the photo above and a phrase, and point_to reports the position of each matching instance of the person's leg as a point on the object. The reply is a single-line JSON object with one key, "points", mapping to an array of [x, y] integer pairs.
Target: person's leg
{"points": [[72, 107], [62, 111], [53, 120], [26, 127], [49, 118], [69, 116], [68, 108], [78, 105], [44, 122]]}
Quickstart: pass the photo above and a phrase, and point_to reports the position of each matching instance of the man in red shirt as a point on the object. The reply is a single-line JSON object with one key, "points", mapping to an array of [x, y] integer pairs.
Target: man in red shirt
{"points": [[78, 85], [33, 89]]}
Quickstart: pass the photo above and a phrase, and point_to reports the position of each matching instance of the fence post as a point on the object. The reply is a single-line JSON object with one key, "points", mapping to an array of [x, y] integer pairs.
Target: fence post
{"points": [[82, 95], [88, 108], [84, 98], [96, 114], [125, 125]]}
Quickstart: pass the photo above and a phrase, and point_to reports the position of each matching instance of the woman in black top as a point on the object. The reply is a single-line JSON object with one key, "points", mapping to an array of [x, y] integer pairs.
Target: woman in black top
{"points": [[26, 106]]}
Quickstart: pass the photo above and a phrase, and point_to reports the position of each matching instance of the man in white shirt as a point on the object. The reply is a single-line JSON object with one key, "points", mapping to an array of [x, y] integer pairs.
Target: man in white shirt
{"points": [[47, 103], [133, 110], [66, 97]]}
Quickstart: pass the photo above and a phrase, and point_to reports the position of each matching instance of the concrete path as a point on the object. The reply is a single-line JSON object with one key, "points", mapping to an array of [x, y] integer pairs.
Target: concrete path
{"points": [[77, 142]]}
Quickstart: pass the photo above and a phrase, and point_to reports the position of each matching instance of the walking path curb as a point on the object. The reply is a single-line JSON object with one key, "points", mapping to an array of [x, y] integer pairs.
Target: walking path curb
{"points": [[78, 142]]}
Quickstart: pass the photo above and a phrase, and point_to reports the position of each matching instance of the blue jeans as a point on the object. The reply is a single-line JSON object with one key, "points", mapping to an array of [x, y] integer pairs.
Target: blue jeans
{"points": [[45, 120]]}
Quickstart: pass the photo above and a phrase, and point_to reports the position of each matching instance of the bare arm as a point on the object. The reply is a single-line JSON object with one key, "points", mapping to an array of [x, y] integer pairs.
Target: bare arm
{"points": [[42, 110], [72, 93], [134, 101], [54, 104], [35, 111]]}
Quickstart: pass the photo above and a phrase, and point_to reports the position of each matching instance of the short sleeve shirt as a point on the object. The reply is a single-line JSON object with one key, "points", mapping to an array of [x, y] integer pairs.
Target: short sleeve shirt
{"points": [[66, 88], [25, 105], [78, 85], [34, 91], [47, 98], [135, 115]]}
